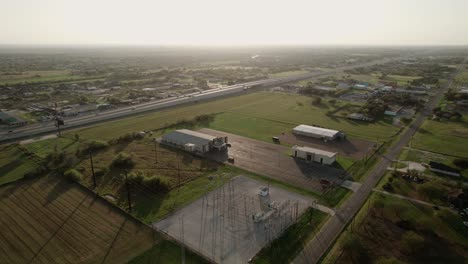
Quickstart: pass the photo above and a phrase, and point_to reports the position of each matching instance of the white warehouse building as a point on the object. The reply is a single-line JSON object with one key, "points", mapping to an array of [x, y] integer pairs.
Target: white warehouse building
{"points": [[317, 132], [193, 141], [313, 154]]}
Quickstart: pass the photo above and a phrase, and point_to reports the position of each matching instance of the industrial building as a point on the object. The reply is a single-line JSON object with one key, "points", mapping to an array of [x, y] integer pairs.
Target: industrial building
{"points": [[10, 119], [313, 154], [193, 141], [317, 132]]}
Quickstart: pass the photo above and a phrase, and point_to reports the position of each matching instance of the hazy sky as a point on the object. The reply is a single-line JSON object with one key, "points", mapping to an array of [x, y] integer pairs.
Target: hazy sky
{"points": [[234, 22]]}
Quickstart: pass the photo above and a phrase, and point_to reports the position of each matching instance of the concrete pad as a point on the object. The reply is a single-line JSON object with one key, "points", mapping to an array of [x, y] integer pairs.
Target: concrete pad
{"points": [[221, 227]]}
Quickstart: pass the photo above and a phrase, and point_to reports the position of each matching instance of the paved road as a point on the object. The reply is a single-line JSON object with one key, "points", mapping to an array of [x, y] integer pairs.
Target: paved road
{"points": [[99, 117], [317, 247]]}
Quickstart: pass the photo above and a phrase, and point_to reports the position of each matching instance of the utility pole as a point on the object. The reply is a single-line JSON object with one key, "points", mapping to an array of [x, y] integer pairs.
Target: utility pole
{"points": [[128, 192], [92, 168], [178, 168], [155, 152]]}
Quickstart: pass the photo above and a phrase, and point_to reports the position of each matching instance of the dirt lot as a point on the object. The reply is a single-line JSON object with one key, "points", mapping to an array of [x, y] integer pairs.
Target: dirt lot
{"points": [[47, 220], [274, 161], [220, 225], [354, 148]]}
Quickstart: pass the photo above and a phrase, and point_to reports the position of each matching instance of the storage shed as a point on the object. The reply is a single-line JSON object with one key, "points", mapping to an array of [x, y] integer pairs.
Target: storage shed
{"points": [[317, 132], [193, 141], [313, 154]]}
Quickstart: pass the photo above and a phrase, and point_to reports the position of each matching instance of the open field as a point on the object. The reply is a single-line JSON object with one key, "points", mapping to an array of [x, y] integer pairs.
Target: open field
{"points": [[280, 111], [47, 220], [290, 243], [41, 77], [220, 225], [434, 190], [13, 164], [401, 80], [42, 148], [445, 137], [391, 230], [288, 73], [167, 252], [425, 157]]}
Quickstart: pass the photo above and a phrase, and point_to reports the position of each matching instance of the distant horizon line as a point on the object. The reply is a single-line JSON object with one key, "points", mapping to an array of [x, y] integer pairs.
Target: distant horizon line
{"points": [[136, 45]]}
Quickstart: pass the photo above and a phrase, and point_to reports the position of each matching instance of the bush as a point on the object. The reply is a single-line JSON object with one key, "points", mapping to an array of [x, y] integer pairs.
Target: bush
{"points": [[332, 101], [461, 163], [157, 183], [406, 120], [317, 100], [73, 175], [96, 145], [137, 177], [123, 161], [432, 191]]}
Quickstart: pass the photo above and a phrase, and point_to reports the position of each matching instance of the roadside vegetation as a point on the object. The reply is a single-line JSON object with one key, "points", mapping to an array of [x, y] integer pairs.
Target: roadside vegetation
{"points": [[286, 247], [392, 230]]}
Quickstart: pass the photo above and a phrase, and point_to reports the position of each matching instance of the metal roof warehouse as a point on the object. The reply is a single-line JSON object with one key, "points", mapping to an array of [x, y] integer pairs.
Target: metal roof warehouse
{"points": [[193, 141], [316, 132]]}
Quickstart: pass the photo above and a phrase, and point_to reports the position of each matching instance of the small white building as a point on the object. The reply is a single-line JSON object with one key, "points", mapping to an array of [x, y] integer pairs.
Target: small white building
{"points": [[317, 132], [313, 154], [193, 141]]}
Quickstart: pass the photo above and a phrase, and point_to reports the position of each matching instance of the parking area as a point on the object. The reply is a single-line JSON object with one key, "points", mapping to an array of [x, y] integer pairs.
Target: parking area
{"points": [[350, 147], [232, 223], [273, 160]]}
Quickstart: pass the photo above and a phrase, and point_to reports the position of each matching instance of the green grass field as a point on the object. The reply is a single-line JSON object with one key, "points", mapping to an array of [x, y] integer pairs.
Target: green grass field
{"points": [[290, 243], [167, 252], [288, 73], [402, 80], [241, 114], [446, 137], [41, 76], [426, 157], [391, 230], [435, 191], [13, 164], [42, 148]]}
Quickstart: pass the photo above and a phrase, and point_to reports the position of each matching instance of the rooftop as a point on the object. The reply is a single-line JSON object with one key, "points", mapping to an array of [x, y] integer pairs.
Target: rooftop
{"points": [[316, 130], [189, 136], [316, 151]]}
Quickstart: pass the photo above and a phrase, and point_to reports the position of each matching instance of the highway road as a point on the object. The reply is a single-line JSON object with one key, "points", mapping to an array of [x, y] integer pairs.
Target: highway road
{"points": [[38, 129], [317, 247]]}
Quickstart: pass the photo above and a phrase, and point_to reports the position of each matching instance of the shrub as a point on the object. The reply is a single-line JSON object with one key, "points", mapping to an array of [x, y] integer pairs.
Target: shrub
{"points": [[157, 183], [461, 163], [96, 145], [406, 120], [317, 100], [73, 175], [332, 101], [432, 191], [123, 161], [137, 177]]}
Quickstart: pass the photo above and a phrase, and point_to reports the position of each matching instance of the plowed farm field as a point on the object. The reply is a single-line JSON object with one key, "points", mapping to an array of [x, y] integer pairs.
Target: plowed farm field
{"points": [[48, 220]]}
